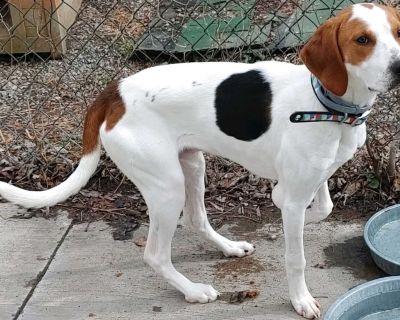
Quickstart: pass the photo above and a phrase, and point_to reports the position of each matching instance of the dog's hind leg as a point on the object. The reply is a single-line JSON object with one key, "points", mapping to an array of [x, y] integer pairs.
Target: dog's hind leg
{"points": [[155, 169], [194, 212], [165, 200], [321, 206]]}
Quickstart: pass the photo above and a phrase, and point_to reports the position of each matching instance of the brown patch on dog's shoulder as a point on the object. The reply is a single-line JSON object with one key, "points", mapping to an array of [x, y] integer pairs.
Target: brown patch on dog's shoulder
{"points": [[107, 107]]}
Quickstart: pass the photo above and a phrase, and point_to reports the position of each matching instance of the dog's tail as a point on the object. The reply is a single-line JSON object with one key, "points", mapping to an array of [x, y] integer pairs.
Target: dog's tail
{"points": [[95, 116], [39, 199]]}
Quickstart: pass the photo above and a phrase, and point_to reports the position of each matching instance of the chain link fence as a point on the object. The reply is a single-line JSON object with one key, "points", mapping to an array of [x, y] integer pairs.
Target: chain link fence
{"points": [[57, 55]]}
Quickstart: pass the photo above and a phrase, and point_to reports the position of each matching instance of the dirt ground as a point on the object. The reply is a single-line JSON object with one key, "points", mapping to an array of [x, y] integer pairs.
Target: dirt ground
{"points": [[41, 123]]}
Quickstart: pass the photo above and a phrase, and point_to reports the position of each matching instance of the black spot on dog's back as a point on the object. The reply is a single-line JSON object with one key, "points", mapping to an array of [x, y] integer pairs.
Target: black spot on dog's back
{"points": [[242, 104]]}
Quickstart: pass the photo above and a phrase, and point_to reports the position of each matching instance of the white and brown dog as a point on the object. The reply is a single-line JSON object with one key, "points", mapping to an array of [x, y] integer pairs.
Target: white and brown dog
{"points": [[155, 124]]}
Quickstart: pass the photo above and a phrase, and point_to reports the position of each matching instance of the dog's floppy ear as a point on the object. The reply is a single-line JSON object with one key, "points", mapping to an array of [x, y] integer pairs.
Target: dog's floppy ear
{"points": [[323, 58]]}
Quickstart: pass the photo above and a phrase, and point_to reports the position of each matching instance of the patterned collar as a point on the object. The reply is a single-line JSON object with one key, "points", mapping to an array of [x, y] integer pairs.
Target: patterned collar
{"points": [[338, 110]]}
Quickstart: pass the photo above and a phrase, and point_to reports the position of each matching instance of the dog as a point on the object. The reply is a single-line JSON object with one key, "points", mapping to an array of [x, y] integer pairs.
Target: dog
{"points": [[294, 123]]}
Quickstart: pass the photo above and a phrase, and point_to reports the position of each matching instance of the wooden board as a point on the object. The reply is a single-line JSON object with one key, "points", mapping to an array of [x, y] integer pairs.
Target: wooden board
{"points": [[38, 26]]}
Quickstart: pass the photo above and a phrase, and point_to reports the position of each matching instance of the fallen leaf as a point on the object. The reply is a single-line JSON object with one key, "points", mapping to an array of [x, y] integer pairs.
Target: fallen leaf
{"points": [[140, 242], [321, 265], [396, 184], [90, 194], [240, 296], [252, 294], [119, 203], [216, 206], [237, 297]]}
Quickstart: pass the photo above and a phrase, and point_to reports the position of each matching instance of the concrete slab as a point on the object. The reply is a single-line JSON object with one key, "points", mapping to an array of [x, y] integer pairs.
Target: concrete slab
{"points": [[25, 248], [95, 277]]}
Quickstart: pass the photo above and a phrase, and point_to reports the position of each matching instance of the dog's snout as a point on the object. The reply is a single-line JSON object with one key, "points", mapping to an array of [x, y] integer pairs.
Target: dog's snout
{"points": [[395, 74], [395, 68]]}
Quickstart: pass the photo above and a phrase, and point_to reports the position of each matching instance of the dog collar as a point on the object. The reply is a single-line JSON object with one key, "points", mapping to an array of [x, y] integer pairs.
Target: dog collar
{"points": [[316, 116], [334, 103], [339, 110]]}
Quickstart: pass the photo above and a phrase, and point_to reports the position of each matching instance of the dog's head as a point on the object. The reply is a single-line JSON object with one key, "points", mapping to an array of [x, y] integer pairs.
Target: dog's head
{"points": [[362, 43]]}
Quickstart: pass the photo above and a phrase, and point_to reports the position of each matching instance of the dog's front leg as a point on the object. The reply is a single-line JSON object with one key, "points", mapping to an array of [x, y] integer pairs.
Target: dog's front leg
{"points": [[293, 215]]}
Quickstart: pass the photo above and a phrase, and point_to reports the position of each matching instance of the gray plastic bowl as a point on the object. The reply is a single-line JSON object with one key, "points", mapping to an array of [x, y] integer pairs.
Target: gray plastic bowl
{"points": [[374, 300], [382, 235]]}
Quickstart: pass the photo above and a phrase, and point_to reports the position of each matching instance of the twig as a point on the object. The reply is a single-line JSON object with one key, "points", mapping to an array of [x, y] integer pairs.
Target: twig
{"points": [[2, 137], [244, 217], [87, 226], [392, 156], [375, 164], [95, 209], [122, 181]]}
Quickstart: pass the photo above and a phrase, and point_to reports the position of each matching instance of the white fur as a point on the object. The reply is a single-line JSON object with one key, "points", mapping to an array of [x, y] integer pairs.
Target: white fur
{"points": [[170, 116], [47, 198], [373, 73], [154, 145]]}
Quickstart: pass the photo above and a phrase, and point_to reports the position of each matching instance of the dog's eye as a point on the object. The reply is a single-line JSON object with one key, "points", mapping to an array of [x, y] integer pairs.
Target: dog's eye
{"points": [[363, 40], [398, 33]]}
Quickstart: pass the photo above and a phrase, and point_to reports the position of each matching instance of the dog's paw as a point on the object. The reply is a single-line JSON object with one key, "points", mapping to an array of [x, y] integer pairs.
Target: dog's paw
{"points": [[237, 249], [307, 306], [201, 293]]}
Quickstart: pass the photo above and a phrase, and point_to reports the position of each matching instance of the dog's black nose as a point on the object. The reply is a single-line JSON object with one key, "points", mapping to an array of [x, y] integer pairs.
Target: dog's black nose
{"points": [[395, 71], [395, 68]]}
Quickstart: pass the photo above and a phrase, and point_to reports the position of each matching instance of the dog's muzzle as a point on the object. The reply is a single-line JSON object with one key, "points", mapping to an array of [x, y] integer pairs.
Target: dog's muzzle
{"points": [[395, 74]]}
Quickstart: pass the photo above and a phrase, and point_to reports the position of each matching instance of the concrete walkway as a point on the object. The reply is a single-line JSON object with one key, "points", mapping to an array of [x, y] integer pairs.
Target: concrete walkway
{"points": [[51, 270]]}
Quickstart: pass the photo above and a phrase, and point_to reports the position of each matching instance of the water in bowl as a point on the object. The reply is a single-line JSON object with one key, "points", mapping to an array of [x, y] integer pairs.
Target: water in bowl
{"points": [[393, 314], [387, 240]]}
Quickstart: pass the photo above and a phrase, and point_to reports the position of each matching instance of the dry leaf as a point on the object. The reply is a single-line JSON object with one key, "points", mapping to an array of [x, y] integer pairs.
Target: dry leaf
{"points": [[321, 265], [140, 242], [240, 296]]}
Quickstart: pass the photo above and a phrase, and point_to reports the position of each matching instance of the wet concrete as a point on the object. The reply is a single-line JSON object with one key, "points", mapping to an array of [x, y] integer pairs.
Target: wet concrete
{"points": [[353, 255]]}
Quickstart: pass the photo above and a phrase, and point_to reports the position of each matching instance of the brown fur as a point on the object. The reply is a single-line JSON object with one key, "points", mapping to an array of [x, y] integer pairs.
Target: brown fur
{"points": [[353, 52], [356, 54], [323, 57], [107, 107], [394, 20], [368, 5], [335, 43]]}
